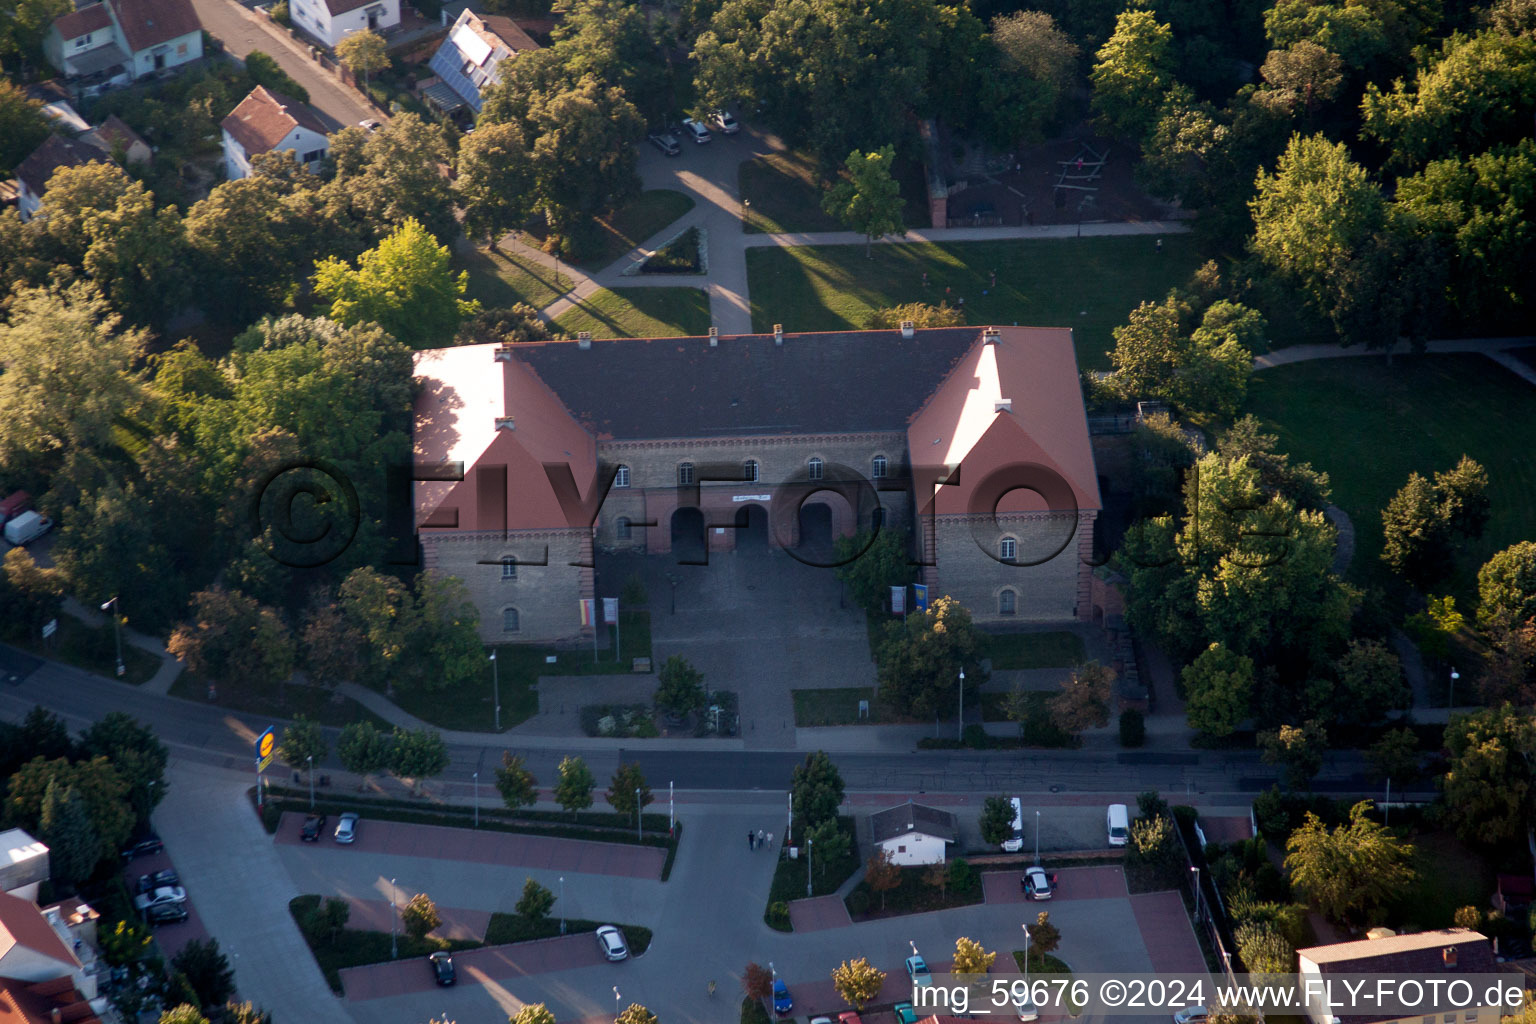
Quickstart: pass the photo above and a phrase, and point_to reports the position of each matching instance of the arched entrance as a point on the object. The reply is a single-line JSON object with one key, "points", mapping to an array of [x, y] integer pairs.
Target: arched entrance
{"points": [[688, 536], [815, 531], [751, 529]]}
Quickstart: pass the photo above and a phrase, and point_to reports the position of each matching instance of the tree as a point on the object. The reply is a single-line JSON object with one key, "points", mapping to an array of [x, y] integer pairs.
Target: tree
{"points": [[405, 284], [815, 790], [1083, 702], [1506, 585], [971, 960], [362, 748], [515, 782], [535, 903], [23, 23], [419, 916], [634, 1013], [1132, 74], [65, 826], [1032, 44], [937, 877], [1372, 37], [921, 657], [41, 734], [532, 1013], [869, 564], [495, 181], [330, 644], [302, 740], [22, 125], [1044, 937], [1371, 683], [1203, 373], [441, 631], [379, 606], [881, 874], [868, 200], [136, 754], [98, 786], [506, 325], [681, 688], [207, 969], [829, 843], [32, 594], [363, 53], [1298, 750], [1509, 665], [1487, 787], [858, 982], [1300, 78], [628, 794], [186, 1013], [384, 179], [1218, 691], [1394, 756], [232, 638], [996, 820], [1302, 484], [69, 375], [757, 981], [417, 753], [1348, 873], [245, 1013], [922, 316], [126, 943], [1423, 518], [1263, 949], [573, 787]]}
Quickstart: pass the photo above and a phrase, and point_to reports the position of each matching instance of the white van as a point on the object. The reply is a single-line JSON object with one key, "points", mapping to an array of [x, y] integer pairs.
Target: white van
{"points": [[26, 528], [1118, 823], [1015, 841]]}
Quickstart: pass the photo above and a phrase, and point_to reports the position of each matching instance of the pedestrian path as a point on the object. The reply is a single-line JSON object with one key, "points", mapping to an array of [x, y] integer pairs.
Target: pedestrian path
{"points": [[1167, 933], [483, 966], [170, 667], [1491, 347]]}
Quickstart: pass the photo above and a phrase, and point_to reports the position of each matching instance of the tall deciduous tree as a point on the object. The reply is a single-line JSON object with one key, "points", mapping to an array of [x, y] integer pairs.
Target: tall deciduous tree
{"points": [[418, 753], [1506, 584], [515, 782], [65, 826], [1298, 750], [536, 902], [971, 960], [815, 790], [1203, 373], [868, 199], [921, 658], [363, 53], [1034, 45], [23, 23], [628, 793], [302, 740], [532, 1013], [1351, 871], [135, 752], [681, 686], [22, 124], [881, 874], [233, 638], [857, 981], [921, 314], [1370, 35], [495, 181], [870, 564], [330, 644], [362, 748], [573, 785], [1083, 702], [1301, 78], [1488, 786], [1133, 74], [419, 916], [996, 820], [385, 178], [1370, 684], [405, 284], [1422, 521], [1218, 690]]}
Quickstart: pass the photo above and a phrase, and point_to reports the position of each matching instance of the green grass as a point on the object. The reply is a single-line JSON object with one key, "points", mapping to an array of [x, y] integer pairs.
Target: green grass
{"points": [[500, 279], [355, 947], [625, 228], [93, 648], [826, 877], [1088, 284], [659, 312], [781, 193], [312, 702], [1033, 650], [839, 706], [1369, 425], [1448, 875], [508, 928], [469, 706]]}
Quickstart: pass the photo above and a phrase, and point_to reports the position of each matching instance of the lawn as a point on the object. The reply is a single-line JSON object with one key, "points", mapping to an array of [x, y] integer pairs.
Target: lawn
{"points": [[1449, 875], [840, 706], [624, 229], [659, 312], [500, 279], [826, 876], [93, 648], [354, 948], [1369, 425], [313, 702], [1088, 284], [780, 193], [1032, 650], [508, 928]]}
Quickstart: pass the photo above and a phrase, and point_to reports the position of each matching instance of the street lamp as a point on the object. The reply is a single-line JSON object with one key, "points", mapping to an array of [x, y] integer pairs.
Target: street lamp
{"points": [[562, 904], [809, 846], [960, 721], [639, 824], [1037, 839], [117, 631], [615, 1004], [394, 948], [309, 760], [674, 579], [1027, 937], [476, 777], [1197, 893], [1450, 693], [496, 688]]}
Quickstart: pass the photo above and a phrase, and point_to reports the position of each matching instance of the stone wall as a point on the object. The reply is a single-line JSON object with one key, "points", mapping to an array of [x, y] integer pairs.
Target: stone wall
{"points": [[545, 596]]}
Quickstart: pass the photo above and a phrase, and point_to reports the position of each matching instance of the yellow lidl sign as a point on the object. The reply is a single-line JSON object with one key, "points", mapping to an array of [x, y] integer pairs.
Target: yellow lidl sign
{"points": [[266, 747]]}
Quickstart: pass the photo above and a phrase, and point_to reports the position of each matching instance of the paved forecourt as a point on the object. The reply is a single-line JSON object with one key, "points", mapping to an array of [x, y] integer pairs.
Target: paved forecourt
{"points": [[474, 967]]}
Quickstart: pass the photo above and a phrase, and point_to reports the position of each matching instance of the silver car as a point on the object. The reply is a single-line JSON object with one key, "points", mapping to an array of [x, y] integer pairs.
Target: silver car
{"points": [[346, 828], [611, 940], [160, 897]]}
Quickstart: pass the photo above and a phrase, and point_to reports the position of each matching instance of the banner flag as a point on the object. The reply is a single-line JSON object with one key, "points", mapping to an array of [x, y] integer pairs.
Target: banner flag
{"points": [[919, 597], [898, 600], [588, 611]]}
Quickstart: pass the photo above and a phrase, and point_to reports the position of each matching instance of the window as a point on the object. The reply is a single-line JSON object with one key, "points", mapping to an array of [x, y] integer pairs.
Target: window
{"points": [[901, 849], [621, 478], [509, 620], [621, 528], [83, 41], [509, 568], [877, 468], [312, 156], [749, 471], [181, 49], [684, 473], [815, 467], [1009, 549], [1007, 603]]}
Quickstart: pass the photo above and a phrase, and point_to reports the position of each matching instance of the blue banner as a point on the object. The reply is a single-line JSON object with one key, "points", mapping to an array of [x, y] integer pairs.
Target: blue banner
{"points": [[919, 597]]}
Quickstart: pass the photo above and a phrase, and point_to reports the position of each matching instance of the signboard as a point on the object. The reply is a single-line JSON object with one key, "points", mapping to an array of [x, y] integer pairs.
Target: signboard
{"points": [[50, 627], [898, 600], [919, 597], [611, 609], [751, 497], [266, 749]]}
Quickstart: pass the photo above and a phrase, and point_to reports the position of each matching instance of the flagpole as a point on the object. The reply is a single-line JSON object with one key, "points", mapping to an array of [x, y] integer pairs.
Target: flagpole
{"points": [[597, 610]]}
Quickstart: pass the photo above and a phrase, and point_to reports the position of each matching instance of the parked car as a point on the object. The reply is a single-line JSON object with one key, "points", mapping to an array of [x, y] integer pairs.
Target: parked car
{"points": [[167, 913], [611, 941], [723, 120], [667, 143], [158, 880], [142, 846], [782, 1002], [370, 125], [1038, 885], [821, 1020], [160, 897], [697, 129], [442, 967], [1117, 822], [905, 1013], [1191, 1015], [1024, 1006], [917, 970], [28, 526], [346, 828], [14, 505], [848, 1017], [312, 827]]}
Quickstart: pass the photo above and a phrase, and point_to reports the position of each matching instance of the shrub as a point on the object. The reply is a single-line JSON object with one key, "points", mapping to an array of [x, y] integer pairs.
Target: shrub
{"points": [[680, 256], [778, 914], [975, 736], [279, 13], [753, 1012], [963, 878], [1151, 804], [1133, 728], [264, 70], [858, 901]]}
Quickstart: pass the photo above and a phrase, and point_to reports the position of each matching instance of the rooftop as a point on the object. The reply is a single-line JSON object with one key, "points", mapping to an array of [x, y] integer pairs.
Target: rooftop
{"points": [[148, 23], [912, 817], [265, 117]]}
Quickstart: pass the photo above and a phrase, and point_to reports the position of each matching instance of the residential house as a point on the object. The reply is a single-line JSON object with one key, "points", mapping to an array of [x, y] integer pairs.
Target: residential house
{"points": [[115, 41], [1448, 951], [777, 443], [913, 833], [469, 60], [267, 121], [34, 173], [54, 1001], [113, 136], [30, 949], [331, 21], [24, 864]]}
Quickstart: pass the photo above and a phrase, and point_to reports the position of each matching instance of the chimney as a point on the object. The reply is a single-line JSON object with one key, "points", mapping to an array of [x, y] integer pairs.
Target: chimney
{"points": [[714, 337], [990, 336], [908, 328], [1003, 405], [506, 423], [583, 339], [778, 334]]}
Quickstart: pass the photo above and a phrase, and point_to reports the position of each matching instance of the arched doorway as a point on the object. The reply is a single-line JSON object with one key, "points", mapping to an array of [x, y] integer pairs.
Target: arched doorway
{"points": [[688, 536], [751, 529], [815, 530]]}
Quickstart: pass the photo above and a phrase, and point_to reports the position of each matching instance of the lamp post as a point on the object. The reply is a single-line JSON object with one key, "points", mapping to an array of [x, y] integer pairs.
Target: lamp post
{"points": [[960, 721], [117, 631], [394, 948], [674, 579], [562, 904], [1450, 693], [1037, 839], [496, 688], [1027, 937], [615, 1004], [809, 846], [1197, 893], [309, 760], [476, 777], [639, 823]]}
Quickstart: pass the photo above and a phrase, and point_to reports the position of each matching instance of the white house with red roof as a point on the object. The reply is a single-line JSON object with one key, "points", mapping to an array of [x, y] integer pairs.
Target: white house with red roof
{"points": [[331, 21], [113, 41], [267, 122]]}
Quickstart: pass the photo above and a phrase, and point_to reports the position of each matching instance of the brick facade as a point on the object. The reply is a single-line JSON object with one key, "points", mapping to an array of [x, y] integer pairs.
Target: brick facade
{"points": [[545, 597], [967, 552]]}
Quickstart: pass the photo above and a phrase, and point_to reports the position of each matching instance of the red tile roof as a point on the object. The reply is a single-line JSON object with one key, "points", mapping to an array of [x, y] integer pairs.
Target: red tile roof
{"points": [[148, 23], [55, 152], [87, 19], [115, 129], [23, 1003], [509, 32], [264, 118]]}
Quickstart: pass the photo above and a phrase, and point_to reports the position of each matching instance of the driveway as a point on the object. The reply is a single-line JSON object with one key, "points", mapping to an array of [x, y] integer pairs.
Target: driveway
{"points": [[242, 30]]}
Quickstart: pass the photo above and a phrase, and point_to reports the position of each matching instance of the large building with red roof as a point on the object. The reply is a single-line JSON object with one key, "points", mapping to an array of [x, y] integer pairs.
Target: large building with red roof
{"points": [[971, 441]]}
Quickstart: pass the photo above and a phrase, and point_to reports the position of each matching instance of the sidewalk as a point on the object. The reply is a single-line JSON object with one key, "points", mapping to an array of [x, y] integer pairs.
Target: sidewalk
{"points": [[1490, 347], [169, 669]]}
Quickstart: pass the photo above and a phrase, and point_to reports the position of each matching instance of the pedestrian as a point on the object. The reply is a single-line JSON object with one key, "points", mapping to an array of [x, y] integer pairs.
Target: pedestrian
{"points": [[946, 291], [994, 279], [751, 840], [770, 840], [961, 301], [1159, 245], [925, 279], [759, 837]]}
